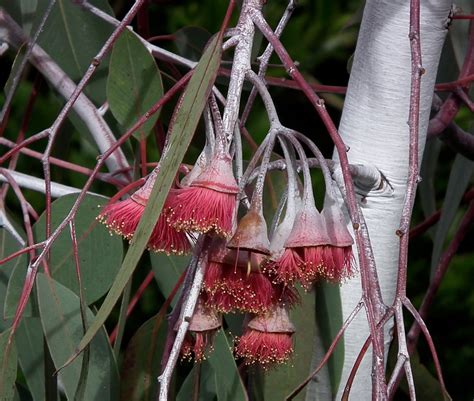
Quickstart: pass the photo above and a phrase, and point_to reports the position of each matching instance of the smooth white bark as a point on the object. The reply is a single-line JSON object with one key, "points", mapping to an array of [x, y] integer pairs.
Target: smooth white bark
{"points": [[374, 126]]}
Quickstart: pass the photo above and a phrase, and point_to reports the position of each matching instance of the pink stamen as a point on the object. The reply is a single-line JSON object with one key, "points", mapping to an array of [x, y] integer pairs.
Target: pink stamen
{"points": [[202, 209], [266, 349]]}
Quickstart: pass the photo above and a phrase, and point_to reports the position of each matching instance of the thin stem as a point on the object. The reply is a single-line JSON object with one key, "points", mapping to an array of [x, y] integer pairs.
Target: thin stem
{"points": [[265, 58], [407, 303], [240, 65], [188, 310], [64, 164]]}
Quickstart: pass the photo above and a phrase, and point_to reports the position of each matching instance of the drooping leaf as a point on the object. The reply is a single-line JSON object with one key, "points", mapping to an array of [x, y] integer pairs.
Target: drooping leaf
{"points": [[187, 118], [93, 238], [280, 381], [134, 83], [220, 378], [8, 365], [167, 270], [459, 178], [29, 341], [142, 362], [62, 326]]}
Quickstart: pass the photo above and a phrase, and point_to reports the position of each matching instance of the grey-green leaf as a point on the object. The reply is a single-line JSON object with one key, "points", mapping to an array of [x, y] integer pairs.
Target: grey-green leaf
{"points": [[134, 83], [97, 273], [62, 326], [72, 37], [187, 118], [142, 363], [30, 343], [167, 270], [8, 365]]}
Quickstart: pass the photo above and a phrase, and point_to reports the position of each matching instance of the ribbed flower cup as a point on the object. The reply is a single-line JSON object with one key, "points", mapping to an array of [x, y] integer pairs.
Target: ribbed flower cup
{"points": [[123, 217], [251, 234], [203, 327], [267, 339]]}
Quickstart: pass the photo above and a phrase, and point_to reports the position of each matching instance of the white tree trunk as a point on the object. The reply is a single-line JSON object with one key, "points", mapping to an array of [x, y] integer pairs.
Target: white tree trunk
{"points": [[374, 126]]}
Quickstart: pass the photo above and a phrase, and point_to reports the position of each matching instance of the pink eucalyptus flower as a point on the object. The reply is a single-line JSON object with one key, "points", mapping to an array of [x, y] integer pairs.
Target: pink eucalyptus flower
{"points": [[123, 217], [267, 339]]}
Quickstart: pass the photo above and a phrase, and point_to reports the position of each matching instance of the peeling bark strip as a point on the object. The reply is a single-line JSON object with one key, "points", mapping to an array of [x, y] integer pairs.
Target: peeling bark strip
{"points": [[375, 117]]}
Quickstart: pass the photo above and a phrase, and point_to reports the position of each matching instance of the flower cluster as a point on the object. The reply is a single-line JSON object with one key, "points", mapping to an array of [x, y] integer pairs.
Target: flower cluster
{"points": [[248, 269]]}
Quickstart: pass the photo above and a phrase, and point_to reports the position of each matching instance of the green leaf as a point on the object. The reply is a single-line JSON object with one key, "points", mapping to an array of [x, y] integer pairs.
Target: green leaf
{"points": [[30, 341], [15, 286], [281, 380], [134, 83], [329, 320], [459, 178], [8, 245], [93, 238], [72, 37], [219, 376], [187, 118], [167, 270], [62, 327], [8, 364], [142, 363]]}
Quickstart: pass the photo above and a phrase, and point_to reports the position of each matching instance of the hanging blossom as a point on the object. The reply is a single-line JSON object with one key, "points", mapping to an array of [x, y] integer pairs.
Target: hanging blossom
{"points": [[267, 339], [123, 217]]}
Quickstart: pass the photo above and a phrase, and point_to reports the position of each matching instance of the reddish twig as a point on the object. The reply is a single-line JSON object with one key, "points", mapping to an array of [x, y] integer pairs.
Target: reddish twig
{"points": [[31, 274], [417, 70], [358, 361], [53, 130], [373, 301], [65, 164], [434, 218], [441, 269]]}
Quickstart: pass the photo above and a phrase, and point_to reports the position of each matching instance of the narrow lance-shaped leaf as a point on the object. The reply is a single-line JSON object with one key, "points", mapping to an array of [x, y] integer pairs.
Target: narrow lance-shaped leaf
{"points": [[187, 118]]}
